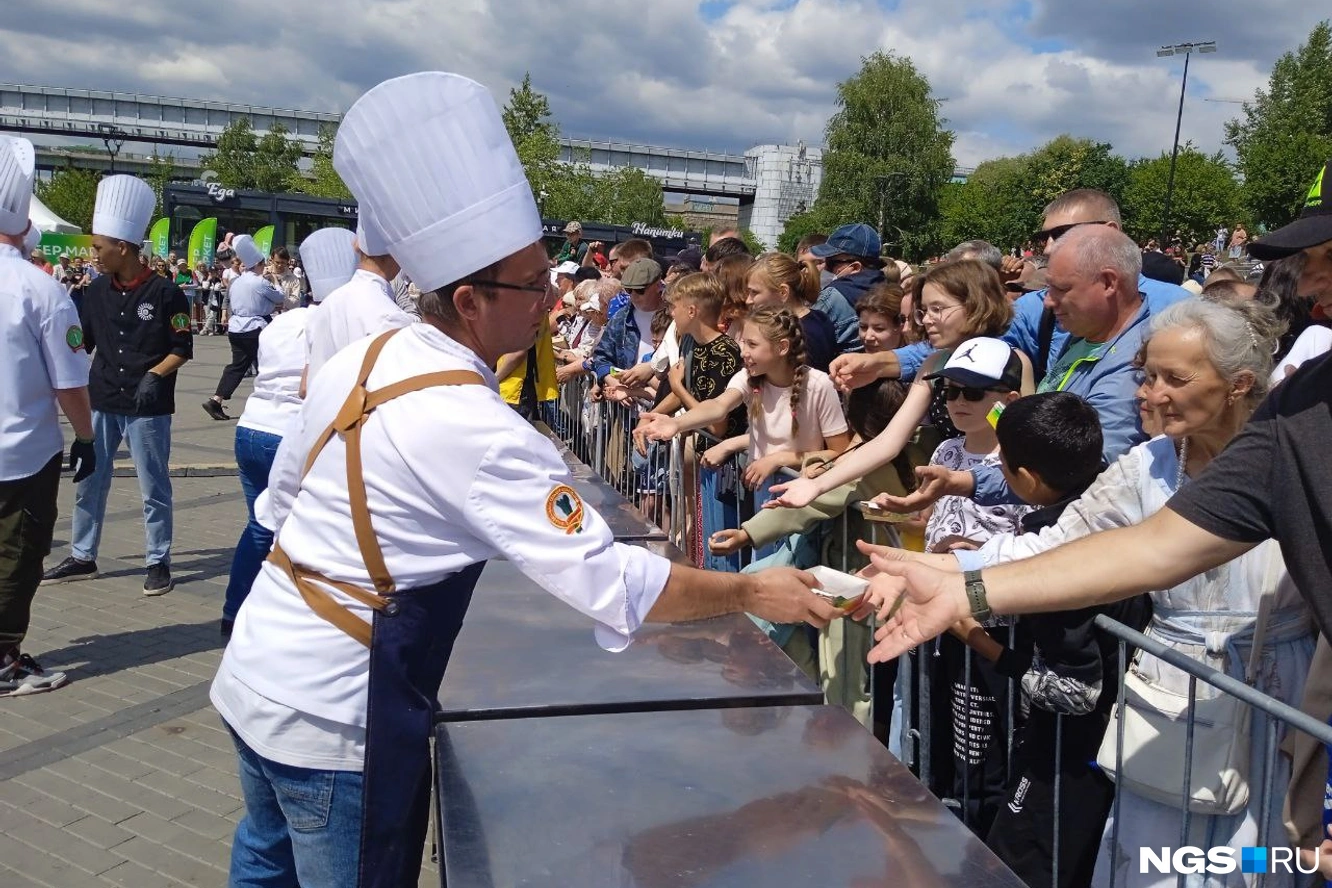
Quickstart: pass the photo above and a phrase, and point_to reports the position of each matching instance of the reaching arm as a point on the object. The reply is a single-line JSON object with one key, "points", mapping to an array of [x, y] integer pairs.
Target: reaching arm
{"points": [[874, 453], [660, 428], [509, 363], [1167, 549]]}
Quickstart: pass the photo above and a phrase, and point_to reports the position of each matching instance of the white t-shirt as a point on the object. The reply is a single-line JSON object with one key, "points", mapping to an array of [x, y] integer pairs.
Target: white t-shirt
{"points": [[644, 321], [960, 516], [41, 350], [453, 477], [820, 415], [363, 305], [276, 398]]}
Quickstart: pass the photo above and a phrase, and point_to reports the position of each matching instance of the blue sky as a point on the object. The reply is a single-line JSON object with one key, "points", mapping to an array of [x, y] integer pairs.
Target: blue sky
{"points": [[720, 74]]}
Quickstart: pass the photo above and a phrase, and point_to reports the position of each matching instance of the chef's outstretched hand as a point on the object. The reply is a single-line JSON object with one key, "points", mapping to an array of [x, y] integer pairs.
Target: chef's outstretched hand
{"points": [[781, 594], [933, 601]]}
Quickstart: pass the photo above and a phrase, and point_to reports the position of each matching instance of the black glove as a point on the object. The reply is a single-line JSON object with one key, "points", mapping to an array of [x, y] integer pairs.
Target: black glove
{"points": [[145, 396], [82, 459]]}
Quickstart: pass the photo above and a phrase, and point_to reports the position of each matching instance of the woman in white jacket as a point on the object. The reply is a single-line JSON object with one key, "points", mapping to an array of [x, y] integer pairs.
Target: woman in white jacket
{"points": [[1205, 367]]}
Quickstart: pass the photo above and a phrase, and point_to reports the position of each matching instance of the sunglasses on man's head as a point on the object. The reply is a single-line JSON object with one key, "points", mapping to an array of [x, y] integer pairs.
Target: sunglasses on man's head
{"points": [[952, 392], [1041, 238]]}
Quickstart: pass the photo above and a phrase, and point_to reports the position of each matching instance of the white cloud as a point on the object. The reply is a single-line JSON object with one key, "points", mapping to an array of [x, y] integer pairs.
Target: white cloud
{"points": [[1014, 74]]}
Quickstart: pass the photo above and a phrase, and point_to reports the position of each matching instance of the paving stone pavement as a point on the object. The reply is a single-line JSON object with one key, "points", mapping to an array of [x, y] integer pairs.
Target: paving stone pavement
{"points": [[126, 776]]}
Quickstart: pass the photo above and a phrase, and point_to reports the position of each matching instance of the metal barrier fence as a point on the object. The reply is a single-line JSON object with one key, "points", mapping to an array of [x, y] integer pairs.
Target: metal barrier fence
{"points": [[664, 485]]}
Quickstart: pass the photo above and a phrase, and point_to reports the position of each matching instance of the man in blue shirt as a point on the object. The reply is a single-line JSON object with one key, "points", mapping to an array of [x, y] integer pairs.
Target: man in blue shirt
{"points": [[1082, 206]]}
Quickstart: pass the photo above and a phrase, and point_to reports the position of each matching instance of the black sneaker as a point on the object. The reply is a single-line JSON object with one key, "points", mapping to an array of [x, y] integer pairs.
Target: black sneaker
{"points": [[159, 580], [69, 570], [20, 676], [214, 409]]}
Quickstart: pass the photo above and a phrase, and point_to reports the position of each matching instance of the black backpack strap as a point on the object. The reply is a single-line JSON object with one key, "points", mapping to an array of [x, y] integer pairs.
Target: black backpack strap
{"points": [[1044, 337]]}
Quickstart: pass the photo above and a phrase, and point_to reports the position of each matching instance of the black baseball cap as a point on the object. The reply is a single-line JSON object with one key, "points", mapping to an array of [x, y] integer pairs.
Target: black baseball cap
{"points": [[1313, 227]]}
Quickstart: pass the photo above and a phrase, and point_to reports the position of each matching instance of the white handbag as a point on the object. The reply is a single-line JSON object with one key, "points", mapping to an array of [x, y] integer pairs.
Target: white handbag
{"points": [[1155, 731]]}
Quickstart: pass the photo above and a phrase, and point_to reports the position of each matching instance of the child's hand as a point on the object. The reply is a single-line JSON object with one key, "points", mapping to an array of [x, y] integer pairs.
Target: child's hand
{"points": [[1323, 857], [713, 457], [936, 482], [726, 542], [953, 544], [814, 470], [758, 471], [637, 375], [793, 494], [658, 427]]}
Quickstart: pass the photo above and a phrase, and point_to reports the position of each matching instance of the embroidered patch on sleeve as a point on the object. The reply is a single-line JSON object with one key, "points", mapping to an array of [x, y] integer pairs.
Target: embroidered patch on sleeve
{"points": [[564, 509], [180, 322], [74, 338]]}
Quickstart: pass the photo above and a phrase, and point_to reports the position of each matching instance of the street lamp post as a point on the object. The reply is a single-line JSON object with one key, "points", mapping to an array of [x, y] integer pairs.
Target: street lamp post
{"points": [[1186, 50], [114, 139]]}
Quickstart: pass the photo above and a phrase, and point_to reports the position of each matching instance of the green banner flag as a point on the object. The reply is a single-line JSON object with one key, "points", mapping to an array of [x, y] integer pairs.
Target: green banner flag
{"points": [[203, 242], [263, 239], [159, 234], [54, 245]]}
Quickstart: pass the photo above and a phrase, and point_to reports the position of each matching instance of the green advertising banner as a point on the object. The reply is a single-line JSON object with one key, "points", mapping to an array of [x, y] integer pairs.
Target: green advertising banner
{"points": [[203, 242], [54, 245], [159, 234], [263, 239]]}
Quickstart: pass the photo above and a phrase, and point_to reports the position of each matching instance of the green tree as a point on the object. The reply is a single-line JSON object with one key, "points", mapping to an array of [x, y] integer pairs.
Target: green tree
{"points": [[888, 155], [244, 160], [815, 220], [1206, 193], [571, 190], [1285, 134], [324, 180], [70, 194], [161, 172]]}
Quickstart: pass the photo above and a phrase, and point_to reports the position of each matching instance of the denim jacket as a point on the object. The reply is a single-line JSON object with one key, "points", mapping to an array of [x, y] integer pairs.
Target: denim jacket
{"points": [[618, 347]]}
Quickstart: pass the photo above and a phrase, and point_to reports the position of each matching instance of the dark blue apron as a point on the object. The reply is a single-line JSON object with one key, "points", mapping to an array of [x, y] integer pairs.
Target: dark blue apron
{"points": [[410, 644], [410, 641]]}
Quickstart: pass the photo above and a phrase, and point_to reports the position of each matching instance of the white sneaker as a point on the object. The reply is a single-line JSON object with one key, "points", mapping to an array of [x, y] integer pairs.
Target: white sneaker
{"points": [[22, 675]]}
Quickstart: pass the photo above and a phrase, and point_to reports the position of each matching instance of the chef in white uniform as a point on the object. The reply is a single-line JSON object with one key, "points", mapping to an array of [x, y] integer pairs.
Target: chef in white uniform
{"points": [[330, 259], [43, 363], [413, 473], [366, 304]]}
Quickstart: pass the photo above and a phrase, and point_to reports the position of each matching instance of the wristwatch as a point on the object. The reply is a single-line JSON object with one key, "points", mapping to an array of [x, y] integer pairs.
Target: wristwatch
{"points": [[980, 607]]}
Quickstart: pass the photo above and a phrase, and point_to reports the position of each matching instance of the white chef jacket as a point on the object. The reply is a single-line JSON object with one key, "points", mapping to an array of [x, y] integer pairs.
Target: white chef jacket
{"points": [[365, 304], [276, 399], [252, 300], [453, 476], [41, 351]]}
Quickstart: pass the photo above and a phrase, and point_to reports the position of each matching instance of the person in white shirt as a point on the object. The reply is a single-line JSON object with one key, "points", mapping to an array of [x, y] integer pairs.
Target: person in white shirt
{"points": [[273, 406], [411, 473], [366, 304], [43, 363], [253, 301]]}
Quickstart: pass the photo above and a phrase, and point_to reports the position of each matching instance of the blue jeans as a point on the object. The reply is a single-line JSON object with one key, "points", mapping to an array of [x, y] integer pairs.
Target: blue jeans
{"points": [[254, 457], [717, 515], [149, 440], [301, 829]]}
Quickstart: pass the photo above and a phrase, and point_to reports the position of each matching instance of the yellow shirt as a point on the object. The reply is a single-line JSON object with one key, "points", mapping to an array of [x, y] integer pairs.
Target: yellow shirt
{"points": [[511, 386]]}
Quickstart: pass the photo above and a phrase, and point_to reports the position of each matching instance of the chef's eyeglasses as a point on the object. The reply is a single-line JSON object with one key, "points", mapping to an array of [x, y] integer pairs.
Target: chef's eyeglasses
{"points": [[953, 392], [1041, 238], [504, 285]]}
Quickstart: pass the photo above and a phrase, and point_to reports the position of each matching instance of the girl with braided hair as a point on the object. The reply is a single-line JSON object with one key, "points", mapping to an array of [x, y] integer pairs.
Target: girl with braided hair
{"points": [[794, 410], [777, 279]]}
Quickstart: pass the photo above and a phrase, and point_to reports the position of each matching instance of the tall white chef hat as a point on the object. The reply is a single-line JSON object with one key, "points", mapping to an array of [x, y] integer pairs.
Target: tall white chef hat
{"points": [[429, 155], [124, 208], [369, 236], [329, 257], [247, 251], [31, 239], [18, 163]]}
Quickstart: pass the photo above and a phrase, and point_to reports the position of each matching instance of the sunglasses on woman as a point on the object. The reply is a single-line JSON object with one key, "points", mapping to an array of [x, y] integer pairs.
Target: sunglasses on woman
{"points": [[952, 392]]}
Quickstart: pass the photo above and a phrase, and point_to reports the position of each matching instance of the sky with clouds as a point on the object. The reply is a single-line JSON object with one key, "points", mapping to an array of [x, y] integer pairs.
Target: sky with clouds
{"points": [[719, 74]]}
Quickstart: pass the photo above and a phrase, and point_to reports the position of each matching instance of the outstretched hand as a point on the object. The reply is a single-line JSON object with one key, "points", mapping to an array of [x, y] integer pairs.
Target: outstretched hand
{"points": [[935, 483], [931, 601], [658, 427], [793, 494], [853, 370], [781, 594]]}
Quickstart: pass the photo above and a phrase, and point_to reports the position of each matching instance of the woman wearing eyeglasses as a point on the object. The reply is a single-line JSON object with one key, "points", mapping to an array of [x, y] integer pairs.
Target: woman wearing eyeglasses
{"points": [[955, 301]]}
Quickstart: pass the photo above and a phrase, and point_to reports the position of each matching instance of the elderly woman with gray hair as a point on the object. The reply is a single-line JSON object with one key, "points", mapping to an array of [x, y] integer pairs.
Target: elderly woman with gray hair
{"points": [[1205, 365]]}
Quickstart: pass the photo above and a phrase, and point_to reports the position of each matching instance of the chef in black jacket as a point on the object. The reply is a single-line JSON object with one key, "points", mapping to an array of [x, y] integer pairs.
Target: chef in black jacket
{"points": [[137, 327]]}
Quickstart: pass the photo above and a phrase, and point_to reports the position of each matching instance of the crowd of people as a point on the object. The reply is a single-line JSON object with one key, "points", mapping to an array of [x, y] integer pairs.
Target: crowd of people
{"points": [[989, 406]]}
